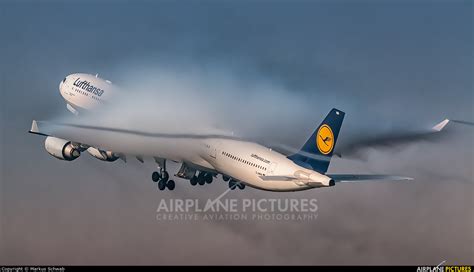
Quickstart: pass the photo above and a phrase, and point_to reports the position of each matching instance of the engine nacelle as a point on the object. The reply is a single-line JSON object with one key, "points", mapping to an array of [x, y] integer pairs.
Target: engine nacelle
{"points": [[61, 149], [102, 155]]}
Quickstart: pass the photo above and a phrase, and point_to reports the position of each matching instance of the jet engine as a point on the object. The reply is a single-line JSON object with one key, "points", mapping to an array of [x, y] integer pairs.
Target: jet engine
{"points": [[61, 149], [102, 155]]}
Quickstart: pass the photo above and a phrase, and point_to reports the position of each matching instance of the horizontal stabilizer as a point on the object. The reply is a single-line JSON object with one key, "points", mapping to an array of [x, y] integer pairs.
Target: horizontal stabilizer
{"points": [[357, 178]]}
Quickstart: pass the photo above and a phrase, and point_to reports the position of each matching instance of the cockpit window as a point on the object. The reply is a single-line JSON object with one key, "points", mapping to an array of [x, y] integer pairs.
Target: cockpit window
{"points": [[64, 80]]}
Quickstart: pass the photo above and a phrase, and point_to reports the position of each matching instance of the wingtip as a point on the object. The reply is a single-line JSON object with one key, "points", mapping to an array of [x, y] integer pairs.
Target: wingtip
{"points": [[34, 127], [440, 125]]}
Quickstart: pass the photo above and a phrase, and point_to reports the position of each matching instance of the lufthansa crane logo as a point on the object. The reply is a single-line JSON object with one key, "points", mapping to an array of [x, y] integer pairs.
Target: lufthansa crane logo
{"points": [[325, 139]]}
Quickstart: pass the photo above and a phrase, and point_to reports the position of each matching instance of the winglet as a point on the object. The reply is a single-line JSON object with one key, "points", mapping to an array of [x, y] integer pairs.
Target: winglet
{"points": [[441, 125], [34, 127]]}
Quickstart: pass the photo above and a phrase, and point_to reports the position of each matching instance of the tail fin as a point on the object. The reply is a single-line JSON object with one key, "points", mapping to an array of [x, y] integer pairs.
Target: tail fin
{"points": [[316, 153]]}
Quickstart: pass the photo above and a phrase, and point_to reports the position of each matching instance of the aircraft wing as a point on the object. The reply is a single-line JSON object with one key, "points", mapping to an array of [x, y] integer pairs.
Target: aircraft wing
{"points": [[135, 143], [438, 132], [354, 146]]}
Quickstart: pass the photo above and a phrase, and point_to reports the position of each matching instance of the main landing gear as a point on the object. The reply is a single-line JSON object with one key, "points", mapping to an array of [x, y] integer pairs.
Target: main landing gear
{"points": [[162, 177], [201, 179]]}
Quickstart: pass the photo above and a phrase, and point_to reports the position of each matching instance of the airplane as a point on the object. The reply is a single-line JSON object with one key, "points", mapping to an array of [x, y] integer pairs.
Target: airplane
{"points": [[202, 157], [84, 92]]}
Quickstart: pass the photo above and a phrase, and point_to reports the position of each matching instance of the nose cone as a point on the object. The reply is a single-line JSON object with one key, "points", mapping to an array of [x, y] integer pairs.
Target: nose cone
{"points": [[62, 83]]}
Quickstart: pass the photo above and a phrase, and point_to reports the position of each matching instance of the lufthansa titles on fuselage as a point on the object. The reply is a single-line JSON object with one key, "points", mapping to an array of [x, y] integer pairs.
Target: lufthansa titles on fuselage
{"points": [[260, 158], [85, 85]]}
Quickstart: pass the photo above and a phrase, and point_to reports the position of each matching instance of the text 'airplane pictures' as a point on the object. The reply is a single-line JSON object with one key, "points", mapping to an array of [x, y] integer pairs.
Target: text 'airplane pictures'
{"points": [[202, 157]]}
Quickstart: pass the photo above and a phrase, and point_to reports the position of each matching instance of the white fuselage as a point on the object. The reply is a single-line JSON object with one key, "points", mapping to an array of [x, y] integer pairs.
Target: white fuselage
{"points": [[85, 91], [250, 162], [247, 162]]}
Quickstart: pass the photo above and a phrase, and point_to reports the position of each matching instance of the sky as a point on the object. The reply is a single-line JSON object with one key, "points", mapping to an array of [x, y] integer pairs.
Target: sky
{"points": [[268, 70]]}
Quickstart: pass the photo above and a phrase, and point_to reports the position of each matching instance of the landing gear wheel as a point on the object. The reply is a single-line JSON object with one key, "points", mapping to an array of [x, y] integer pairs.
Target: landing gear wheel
{"points": [[165, 176], [161, 185], [241, 186], [201, 178], [208, 178], [232, 185], [170, 185], [201, 181], [193, 180], [155, 176], [225, 178]]}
